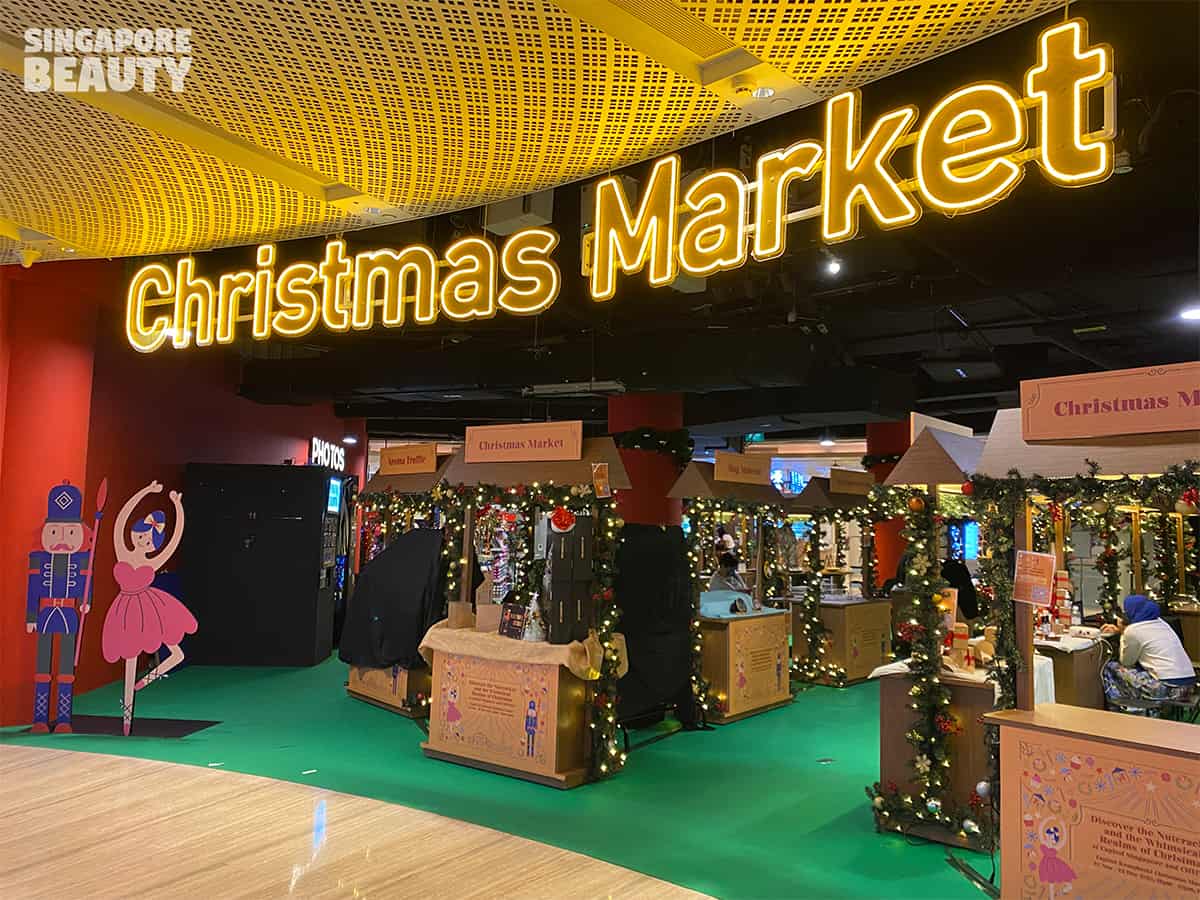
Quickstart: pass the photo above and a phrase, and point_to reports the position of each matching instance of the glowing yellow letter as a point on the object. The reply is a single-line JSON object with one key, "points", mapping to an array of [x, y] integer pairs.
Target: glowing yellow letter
{"points": [[417, 263], [469, 291], [861, 173], [959, 156], [298, 302], [231, 288], [1060, 82], [141, 338], [334, 271], [264, 291], [714, 238], [533, 277], [192, 292], [649, 237], [777, 170]]}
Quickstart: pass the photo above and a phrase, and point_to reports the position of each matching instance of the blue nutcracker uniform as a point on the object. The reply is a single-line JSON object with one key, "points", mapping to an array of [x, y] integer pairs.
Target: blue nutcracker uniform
{"points": [[53, 596]]}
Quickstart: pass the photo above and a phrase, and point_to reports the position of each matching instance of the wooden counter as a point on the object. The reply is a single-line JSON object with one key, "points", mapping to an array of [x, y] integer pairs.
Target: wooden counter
{"points": [[480, 717], [745, 660], [1098, 803], [858, 633], [1076, 674], [1189, 624], [970, 698], [397, 689]]}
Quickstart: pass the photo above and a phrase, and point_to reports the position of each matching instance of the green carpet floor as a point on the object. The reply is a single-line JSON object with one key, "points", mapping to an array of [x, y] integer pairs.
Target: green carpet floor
{"points": [[743, 811]]}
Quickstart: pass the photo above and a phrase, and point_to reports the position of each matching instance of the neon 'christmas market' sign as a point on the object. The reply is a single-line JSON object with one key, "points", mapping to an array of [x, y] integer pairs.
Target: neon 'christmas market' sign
{"points": [[968, 153]]}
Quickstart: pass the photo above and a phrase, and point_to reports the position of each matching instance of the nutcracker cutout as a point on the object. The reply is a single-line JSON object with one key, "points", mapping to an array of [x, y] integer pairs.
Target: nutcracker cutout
{"points": [[57, 599]]}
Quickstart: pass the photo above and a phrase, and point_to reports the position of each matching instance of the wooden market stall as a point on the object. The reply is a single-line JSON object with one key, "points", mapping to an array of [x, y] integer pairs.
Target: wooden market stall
{"points": [[1152, 537], [745, 655], [857, 623], [395, 499], [525, 708]]}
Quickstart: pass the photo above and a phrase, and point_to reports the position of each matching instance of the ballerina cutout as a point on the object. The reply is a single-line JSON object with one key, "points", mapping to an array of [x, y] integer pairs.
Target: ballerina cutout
{"points": [[143, 618]]}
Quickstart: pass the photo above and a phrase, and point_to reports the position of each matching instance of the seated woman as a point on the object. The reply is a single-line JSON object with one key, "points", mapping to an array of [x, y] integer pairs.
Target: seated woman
{"points": [[726, 578], [1154, 665]]}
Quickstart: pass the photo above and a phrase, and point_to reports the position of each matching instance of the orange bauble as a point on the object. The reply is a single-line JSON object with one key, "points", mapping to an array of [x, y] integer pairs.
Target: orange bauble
{"points": [[916, 504]]}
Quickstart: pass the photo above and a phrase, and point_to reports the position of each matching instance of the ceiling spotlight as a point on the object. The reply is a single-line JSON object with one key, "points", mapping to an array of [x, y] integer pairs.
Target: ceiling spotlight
{"points": [[1191, 314], [350, 440], [827, 440], [763, 93], [960, 373], [833, 265]]}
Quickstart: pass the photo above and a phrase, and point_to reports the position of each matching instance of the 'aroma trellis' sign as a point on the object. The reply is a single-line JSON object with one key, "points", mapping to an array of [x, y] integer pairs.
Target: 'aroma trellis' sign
{"points": [[967, 153]]}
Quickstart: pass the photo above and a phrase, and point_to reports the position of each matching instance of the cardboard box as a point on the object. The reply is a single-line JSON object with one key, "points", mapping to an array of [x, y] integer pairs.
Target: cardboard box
{"points": [[459, 615], [487, 617]]}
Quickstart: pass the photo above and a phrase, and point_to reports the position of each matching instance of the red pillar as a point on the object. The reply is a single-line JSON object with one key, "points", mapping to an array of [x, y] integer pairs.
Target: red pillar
{"points": [[48, 318], [651, 474], [885, 439]]}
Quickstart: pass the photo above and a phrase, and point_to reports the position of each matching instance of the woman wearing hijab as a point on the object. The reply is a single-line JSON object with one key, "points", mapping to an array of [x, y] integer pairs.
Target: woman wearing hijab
{"points": [[1154, 665]]}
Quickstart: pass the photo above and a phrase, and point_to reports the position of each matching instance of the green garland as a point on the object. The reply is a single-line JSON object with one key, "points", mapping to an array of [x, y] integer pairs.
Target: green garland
{"points": [[677, 444], [1166, 559], [870, 461], [775, 587], [930, 697]]}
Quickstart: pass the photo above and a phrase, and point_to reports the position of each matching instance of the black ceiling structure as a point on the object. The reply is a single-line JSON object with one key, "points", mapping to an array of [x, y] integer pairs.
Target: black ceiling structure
{"points": [[944, 317]]}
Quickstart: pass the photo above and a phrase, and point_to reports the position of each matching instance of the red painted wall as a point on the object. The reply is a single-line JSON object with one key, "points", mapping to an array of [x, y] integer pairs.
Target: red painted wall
{"points": [[48, 318], [111, 413], [651, 474], [885, 439]]}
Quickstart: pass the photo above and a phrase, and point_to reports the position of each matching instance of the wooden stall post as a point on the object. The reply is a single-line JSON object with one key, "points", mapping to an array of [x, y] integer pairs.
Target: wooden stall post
{"points": [[1135, 545], [1180, 556], [1023, 618], [758, 560], [468, 554]]}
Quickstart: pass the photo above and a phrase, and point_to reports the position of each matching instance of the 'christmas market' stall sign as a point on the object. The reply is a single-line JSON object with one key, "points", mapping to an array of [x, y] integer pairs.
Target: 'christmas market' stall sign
{"points": [[533, 442], [968, 153], [1105, 404]]}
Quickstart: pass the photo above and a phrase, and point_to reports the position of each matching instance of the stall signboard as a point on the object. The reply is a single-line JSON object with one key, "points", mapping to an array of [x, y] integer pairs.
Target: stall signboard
{"points": [[741, 468], [849, 481], [408, 459], [328, 454], [969, 152], [1106, 404], [533, 442], [1034, 578]]}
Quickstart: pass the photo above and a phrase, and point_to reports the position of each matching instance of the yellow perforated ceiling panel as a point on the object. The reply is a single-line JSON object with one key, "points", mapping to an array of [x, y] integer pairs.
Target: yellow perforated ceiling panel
{"points": [[421, 106]]}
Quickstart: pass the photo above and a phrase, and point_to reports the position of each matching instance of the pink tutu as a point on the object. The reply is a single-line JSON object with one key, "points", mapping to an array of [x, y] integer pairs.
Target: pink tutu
{"points": [[1053, 870], [452, 713], [142, 618]]}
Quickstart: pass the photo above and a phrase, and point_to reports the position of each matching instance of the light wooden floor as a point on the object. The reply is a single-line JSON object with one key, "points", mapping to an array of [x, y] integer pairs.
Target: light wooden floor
{"points": [[86, 825]]}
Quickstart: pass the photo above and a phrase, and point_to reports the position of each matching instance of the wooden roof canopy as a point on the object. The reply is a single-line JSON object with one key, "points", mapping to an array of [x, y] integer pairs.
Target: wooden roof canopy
{"points": [[938, 457], [698, 482], [413, 483], [1137, 454], [568, 472], [818, 494]]}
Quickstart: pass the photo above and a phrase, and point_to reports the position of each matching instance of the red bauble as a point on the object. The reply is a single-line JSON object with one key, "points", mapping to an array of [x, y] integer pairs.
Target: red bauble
{"points": [[968, 488]]}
